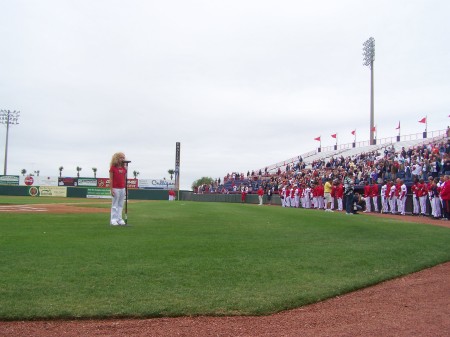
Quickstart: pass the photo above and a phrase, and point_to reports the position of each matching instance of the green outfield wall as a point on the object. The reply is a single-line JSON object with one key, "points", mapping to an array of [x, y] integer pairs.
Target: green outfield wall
{"points": [[144, 194], [135, 194]]}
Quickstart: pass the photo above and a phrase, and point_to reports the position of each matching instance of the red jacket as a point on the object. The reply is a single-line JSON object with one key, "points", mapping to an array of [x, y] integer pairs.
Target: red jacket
{"points": [[320, 191], [367, 191], [340, 191], [445, 190], [374, 190], [414, 189]]}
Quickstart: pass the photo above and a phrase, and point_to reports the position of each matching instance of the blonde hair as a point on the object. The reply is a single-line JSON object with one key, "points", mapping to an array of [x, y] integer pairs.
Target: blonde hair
{"points": [[115, 160]]}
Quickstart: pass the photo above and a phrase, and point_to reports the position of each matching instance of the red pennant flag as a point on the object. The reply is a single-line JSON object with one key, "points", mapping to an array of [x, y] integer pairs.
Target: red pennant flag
{"points": [[318, 138], [353, 132], [423, 120], [374, 129], [334, 136], [398, 127]]}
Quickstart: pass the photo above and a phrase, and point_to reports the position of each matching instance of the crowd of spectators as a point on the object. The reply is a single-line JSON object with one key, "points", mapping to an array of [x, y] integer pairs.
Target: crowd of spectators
{"points": [[389, 163]]}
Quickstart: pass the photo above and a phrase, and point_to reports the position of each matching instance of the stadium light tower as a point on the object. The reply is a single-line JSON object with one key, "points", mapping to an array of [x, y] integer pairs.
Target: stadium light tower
{"points": [[369, 58], [8, 118]]}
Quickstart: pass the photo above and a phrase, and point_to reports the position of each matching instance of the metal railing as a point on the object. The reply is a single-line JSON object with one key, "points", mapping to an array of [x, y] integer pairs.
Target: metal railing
{"points": [[428, 137]]}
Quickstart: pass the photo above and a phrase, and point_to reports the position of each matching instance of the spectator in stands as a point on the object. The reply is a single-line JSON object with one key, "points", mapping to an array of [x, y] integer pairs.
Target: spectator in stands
{"points": [[446, 164], [408, 175], [435, 166], [417, 170]]}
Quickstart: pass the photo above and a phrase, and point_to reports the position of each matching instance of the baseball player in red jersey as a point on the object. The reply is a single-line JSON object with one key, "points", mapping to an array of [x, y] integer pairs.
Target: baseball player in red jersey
{"points": [[340, 195], [422, 193], [367, 196], [374, 195]]}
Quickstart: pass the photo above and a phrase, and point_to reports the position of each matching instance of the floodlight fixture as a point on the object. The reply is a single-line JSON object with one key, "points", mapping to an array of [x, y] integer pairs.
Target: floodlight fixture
{"points": [[8, 118], [369, 58]]}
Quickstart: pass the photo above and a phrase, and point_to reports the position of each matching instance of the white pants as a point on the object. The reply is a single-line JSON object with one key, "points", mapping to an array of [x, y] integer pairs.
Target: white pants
{"points": [[340, 206], [287, 201], [437, 207], [401, 205], [307, 203], [432, 204], [117, 204], [375, 204], [384, 204], [392, 203], [416, 209], [368, 205], [320, 204], [423, 204]]}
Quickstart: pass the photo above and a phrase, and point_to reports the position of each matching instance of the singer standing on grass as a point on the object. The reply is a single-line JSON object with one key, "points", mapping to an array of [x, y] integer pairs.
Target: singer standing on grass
{"points": [[117, 174]]}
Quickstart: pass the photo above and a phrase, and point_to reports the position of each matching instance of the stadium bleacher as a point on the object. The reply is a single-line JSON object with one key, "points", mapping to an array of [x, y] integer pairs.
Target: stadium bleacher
{"points": [[344, 151]]}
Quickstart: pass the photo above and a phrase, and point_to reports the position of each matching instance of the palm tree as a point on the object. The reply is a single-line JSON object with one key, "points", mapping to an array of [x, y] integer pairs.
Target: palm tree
{"points": [[95, 172], [78, 171], [171, 172], [60, 171], [135, 174], [23, 172]]}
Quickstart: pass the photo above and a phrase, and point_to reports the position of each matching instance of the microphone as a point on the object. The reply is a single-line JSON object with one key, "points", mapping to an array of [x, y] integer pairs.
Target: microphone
{"points": [[126, 161]]}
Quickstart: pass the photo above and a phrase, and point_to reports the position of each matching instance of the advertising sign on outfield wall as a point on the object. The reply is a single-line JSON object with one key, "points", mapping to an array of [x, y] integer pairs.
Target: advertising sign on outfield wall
{"points": [[9, 180], [53, 191], [28, 181], [38, 181], [47, 181], [97, 192], [133, 183], [157, 184], [67, 181], [87, 182], [104, 182]]}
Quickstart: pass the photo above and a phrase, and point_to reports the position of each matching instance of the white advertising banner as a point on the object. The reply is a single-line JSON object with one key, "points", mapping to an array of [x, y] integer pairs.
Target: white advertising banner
{"points": [[53, 191], [47, 181], [90, 182], [157, 184], [38, 181]]}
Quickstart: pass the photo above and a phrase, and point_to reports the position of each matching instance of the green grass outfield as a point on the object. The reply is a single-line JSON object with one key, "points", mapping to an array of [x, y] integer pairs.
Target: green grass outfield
{"points": [[192, 258]]}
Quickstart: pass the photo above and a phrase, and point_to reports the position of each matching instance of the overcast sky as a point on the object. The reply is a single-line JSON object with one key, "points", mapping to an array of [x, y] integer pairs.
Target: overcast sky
{"points": [[241, 84]]}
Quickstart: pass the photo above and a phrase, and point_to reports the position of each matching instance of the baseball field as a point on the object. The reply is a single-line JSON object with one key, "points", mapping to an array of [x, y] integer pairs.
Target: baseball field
{"points": [[61, 259]]}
